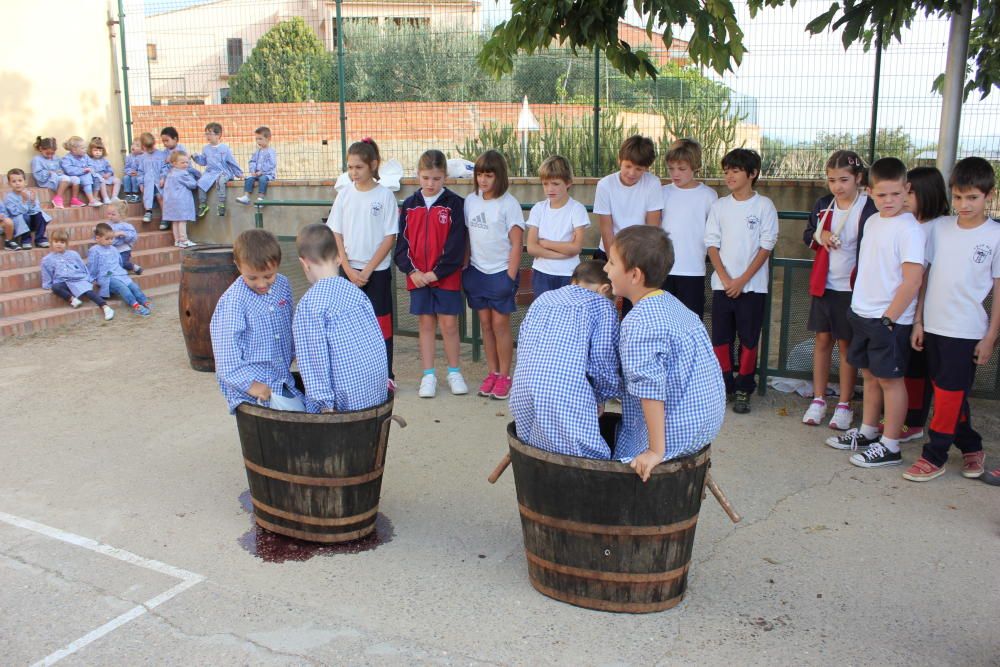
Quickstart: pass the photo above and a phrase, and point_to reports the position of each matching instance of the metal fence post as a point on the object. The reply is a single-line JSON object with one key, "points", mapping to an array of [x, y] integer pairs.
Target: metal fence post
{"points": [[340, 88], [128, 103], [875, 93], [258, 217], [597, 113]]}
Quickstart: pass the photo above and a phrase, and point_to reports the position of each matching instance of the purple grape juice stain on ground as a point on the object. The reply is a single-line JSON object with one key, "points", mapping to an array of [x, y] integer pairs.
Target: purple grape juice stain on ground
{"points": [[273, 548]]}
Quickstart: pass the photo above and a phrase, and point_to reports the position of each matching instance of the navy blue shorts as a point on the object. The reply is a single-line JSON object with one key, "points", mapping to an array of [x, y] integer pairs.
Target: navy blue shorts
{"points": [[489, 290], [543, 282], [884, 352], [435, 301]]}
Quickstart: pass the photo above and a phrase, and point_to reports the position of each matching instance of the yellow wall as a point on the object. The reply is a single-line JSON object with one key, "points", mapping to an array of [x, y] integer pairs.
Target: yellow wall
{"points": [[62, 80]]}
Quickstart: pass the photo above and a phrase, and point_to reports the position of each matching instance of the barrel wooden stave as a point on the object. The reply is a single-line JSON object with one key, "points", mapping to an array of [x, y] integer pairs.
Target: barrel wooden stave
{"points": [[206, 272], [315, 477], [628, 554]]}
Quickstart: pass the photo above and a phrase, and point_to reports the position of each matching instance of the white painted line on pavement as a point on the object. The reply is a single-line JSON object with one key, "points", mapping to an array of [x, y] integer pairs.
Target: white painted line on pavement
{"points": [[188, 579]]}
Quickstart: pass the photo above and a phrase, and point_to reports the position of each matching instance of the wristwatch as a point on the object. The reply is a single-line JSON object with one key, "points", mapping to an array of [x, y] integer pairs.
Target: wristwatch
{"points": [[887, 322]]}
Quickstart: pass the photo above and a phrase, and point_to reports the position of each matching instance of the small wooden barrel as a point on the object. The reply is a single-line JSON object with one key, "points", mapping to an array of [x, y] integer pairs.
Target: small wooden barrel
{"points": [[315, 477], [596, 536], [206, 272]]}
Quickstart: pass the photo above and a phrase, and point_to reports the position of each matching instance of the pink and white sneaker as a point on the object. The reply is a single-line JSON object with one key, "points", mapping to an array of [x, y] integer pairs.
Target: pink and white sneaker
{"points": [[76, 203], [57, 202], [815, 413], [486, 388], [501, 388]]}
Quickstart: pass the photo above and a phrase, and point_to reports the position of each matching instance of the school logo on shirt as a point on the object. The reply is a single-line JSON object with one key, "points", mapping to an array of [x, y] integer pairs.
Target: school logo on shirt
{"points": [[752, 222], [443, 217], [981, 253], [376, 209]]}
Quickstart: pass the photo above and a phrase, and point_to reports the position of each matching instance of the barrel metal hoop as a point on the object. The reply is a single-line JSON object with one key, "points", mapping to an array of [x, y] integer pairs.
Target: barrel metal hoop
{"points": [[313, 481], [604, 529], [607, 605], [317, 417], [696, 460], [315, 537], [603, 575], [312, 520]]}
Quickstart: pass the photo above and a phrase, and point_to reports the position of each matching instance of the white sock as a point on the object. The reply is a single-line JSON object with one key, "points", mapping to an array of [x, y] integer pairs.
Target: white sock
{"points": [[869, 432], [890, 444]]}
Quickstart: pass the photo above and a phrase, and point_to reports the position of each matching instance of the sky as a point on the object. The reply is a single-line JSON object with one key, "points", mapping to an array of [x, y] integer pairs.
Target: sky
{"points": [[805, 84]]}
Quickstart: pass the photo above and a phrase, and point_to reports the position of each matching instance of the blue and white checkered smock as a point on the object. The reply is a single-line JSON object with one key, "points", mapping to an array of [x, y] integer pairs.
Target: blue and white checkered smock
{"points": [[340, 349], [252, 340], [567, 363], [666, 356]]}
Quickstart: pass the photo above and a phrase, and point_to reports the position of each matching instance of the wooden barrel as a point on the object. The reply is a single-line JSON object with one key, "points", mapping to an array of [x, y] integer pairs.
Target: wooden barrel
{"points": [[206, 272], [596, 536], [315, 477]]}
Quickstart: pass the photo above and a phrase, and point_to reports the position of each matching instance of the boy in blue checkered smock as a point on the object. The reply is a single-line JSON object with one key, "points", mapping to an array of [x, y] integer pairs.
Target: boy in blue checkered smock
{"points": [[675, 397], [341, 354], [252, 329], [567, 366]]}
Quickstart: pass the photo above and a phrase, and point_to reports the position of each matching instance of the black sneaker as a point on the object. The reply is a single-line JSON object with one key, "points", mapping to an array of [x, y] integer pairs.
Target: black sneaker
{"points": [[878, 455], [11, 245], [991, 477], [202, 209], [741, 404], [147, 216], [164, 226], [136, 269], [852, 440]]}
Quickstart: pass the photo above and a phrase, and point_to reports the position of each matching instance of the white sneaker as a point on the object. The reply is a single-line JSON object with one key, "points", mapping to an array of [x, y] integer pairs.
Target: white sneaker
{"points": [[74, 302], [115, 200], [106, 200], [108, 313], [244, 199], [96, 202], [457, 383], [842, 417], [189, 243], [815, 413], [428, 386]]}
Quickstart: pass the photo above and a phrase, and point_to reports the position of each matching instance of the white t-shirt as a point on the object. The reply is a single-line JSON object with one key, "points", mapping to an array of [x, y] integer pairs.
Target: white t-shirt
{"points": [[364, 219], [557, 224], [739, 229], [627, 205], [887, 245], [845, 224], [489, 222], [429, 201], [963, 265], [685, 211]]}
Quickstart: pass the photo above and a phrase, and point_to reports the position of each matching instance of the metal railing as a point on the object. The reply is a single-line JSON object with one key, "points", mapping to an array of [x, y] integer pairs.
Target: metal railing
{"points": [[788, 290]]}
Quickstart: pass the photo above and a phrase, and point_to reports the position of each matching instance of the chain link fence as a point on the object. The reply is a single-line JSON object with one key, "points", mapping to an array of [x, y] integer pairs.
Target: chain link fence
{"points": [[322, 74]]}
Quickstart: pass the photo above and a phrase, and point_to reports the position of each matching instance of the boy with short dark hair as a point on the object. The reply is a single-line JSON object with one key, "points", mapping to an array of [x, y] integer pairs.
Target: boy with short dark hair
{"points": [[675, 398], [741, 232], [341, 354], [686, 203], [963, 266], [220, 168], [567, 366], [890, 266], [555, 228], [252, 329], [263, 166], [104, 264]]}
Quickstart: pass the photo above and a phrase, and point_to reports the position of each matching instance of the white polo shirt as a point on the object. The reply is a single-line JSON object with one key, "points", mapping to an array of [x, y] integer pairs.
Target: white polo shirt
{"points": [[627, 205], [364, 219]]}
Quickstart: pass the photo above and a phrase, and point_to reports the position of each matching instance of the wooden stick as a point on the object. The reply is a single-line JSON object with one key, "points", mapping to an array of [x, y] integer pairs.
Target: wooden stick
{"points": [[721, 497], [495, 475]]}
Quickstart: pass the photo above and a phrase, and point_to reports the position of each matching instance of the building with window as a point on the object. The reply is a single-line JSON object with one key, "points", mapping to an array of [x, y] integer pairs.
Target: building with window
{"points": [[192, 52]]}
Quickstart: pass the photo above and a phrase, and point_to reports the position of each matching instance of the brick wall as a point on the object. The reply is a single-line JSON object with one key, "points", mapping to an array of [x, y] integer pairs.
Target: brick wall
{"points": [[403, 130]]}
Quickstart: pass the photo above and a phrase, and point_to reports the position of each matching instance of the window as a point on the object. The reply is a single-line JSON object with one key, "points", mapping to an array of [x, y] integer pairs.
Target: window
{"points": [[409, 21], [151, 53], [223, 96], [234, 54]]}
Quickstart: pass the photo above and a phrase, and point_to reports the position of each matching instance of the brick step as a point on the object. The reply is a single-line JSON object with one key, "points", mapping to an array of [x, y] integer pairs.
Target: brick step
{"points": [[63, 315], [14, 280], [94, 213], [31, 300], [26, 258], [84, 230]]}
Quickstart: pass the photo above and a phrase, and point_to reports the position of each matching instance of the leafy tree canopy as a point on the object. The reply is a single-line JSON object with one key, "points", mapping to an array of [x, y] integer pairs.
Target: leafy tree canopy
{"points": [[288, 64], [717, 40]]}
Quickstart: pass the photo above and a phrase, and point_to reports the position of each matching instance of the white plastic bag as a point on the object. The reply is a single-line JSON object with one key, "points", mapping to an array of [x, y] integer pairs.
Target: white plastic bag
{"points": [[459, 168]]}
